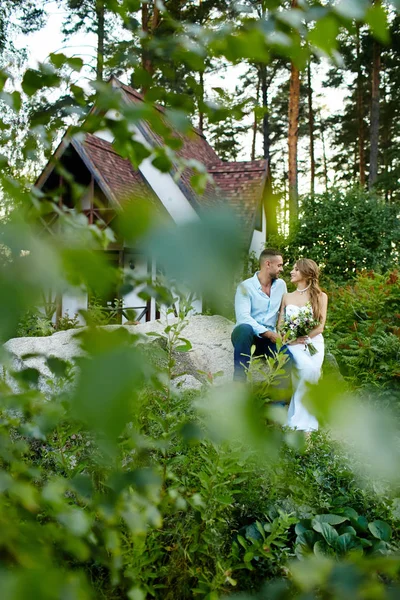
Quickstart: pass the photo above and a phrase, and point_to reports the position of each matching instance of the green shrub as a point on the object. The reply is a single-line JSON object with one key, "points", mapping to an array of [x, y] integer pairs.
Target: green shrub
{"points": [[34, 324], [364, 328], [344, 232], [66, 322], [342, 533]]}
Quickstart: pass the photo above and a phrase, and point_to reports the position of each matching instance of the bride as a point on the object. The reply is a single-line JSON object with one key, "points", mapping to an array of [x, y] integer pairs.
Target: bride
{"points": [[307, 367]]}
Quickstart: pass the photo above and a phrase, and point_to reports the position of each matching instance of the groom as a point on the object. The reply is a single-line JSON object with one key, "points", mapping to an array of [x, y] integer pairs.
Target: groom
{"points": [[257, 304]]}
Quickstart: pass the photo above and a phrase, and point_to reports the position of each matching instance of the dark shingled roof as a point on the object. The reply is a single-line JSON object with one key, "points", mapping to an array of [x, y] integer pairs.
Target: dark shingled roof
{"points": [[238, 185], [241, 185], [116, 173]]}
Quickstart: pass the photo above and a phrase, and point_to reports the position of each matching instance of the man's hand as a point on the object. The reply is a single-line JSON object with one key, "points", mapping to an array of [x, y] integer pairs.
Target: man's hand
{"points": [[272, 336]]}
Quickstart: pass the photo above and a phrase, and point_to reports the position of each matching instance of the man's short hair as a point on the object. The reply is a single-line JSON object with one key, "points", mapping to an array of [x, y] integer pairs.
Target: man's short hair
{"points": [[268, 253]]}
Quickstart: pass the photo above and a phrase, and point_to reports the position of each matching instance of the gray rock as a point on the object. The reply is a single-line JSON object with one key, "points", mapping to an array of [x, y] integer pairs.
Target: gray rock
{"points": [[211, 352]]}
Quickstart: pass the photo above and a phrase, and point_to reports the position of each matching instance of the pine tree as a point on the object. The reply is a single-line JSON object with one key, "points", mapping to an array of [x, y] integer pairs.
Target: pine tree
{"points": [[293, 136], [18, 16], [371, 75], [91, 16], [374, 121], [311, 121]]}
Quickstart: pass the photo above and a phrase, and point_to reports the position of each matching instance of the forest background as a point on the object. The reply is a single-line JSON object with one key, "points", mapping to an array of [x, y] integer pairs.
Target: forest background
{"points": [[138, 489]]}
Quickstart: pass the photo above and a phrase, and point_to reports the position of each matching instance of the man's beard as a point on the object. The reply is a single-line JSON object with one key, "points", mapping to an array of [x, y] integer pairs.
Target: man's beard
{"points": [[274, 276]]}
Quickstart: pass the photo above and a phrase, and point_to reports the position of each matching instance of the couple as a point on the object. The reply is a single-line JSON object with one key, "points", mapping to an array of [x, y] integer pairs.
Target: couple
{"points": [[262, 304]]}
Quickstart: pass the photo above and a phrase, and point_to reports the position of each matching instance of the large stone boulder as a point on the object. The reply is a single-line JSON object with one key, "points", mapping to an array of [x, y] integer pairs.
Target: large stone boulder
{"points": [[211, 351]]}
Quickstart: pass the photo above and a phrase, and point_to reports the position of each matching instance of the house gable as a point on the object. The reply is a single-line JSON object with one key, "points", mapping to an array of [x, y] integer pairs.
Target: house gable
{"points": [[237, 185]]}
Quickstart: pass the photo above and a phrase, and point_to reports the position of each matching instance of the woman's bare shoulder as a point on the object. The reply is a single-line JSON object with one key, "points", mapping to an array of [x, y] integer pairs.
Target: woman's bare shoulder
{"points": [[287, 295], [324, 297]]}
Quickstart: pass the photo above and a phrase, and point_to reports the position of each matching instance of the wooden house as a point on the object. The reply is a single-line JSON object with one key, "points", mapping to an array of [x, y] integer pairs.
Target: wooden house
{"points": [[107, 180]]}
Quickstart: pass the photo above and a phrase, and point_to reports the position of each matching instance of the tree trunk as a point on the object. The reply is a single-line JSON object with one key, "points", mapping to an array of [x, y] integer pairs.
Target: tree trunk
{"points": [[311, 129], [386, 138], [270, 199], [293, 136], [265, 127], [360, 113], [201, 101], [325, 163], [374, 133], [100, 39], [255, 122], [156, 17], [146, 60]]}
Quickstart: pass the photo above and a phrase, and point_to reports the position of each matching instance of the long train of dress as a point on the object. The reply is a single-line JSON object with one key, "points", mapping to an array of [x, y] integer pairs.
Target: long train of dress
{"points": [[306, 370]]}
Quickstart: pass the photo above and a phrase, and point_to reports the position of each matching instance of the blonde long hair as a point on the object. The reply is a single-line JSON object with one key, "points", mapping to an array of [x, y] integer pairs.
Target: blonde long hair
{"points": [[310, 271]]}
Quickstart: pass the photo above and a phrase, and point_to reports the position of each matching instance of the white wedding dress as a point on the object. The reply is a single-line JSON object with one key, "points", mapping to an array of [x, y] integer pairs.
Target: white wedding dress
{"points": [[306, 370]]}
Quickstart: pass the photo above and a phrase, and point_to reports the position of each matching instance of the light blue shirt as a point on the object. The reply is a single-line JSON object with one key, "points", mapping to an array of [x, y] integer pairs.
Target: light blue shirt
{"points": [[255, 308]]}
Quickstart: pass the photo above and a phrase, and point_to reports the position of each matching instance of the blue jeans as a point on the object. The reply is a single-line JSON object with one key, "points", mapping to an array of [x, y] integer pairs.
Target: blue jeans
{"points": [[243, 338]]}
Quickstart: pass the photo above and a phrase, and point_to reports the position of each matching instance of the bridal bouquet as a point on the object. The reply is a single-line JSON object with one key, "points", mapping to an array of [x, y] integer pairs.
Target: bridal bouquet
{"points": [[300, 325]]}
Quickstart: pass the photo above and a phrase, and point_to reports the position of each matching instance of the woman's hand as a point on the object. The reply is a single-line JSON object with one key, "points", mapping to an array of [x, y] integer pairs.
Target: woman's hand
{"points": [[300, 340]]}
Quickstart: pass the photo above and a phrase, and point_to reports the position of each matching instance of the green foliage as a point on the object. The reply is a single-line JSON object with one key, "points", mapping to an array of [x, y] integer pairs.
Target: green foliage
{"points": [[115, 483], [34, 323], [345, 232], [263, 545], [66, 322], [342, 534], [364, 329], [147, 503]]}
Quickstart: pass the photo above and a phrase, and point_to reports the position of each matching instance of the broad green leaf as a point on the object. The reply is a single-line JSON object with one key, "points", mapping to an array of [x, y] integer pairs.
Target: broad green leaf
{"points": [[312, 574], [328, 532], [302, 526], [136, 593], [58, 59], [254, 533], [348, 529], [3, 78], [34, 80], [380, 548], [346, 542], [28, 375], [88, 268], [377, 19], [75, 62], [199, 182], [162, 163], [365, 543], [324, 34], [199, 253], [361, 524], [380, 530], [108, 383], [76, 521], [57, 366], [350, 512], [307, 539], [186, 346], [25, 494], [328, 518], [179, 120], [322, 549]]}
